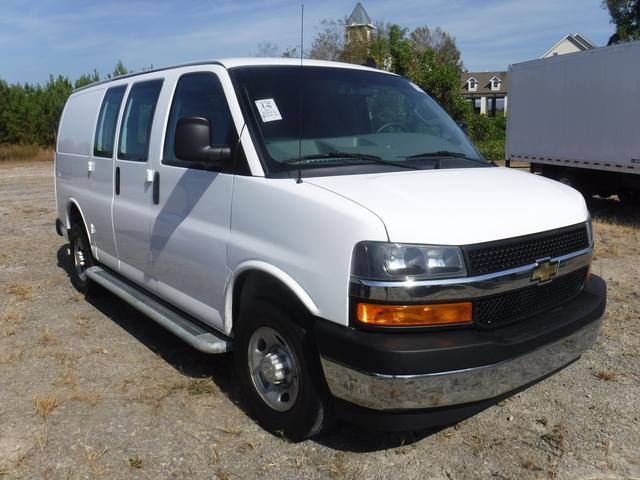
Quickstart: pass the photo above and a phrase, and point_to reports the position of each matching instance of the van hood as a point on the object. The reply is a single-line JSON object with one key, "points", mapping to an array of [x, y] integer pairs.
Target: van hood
{"points": [[460, 206]]}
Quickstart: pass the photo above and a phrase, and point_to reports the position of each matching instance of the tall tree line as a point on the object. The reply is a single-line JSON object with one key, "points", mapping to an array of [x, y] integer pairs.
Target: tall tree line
{"points": [[29, 114]]}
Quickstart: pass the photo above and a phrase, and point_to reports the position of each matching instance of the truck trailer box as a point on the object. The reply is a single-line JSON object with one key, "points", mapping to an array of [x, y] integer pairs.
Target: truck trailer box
{"points": [[575, 118]]}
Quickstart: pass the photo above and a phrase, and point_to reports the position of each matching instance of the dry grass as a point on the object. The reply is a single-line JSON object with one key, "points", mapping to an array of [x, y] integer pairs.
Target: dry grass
{"points": [[135, 462], [12, 315], [214, 455], [10, 319], [615, 240], [68, 376], [85, 324], [86, 397], [47, 339], [12, 355], [22, 153], [21, 290], [554, 443], [92, 456], [200, 386], [45, 405], [42, 437], [340, 468], [607, 376]]}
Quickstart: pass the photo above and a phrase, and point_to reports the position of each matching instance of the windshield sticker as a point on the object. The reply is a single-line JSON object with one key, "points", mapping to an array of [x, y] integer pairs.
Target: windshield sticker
{"points": [[268, 110]]}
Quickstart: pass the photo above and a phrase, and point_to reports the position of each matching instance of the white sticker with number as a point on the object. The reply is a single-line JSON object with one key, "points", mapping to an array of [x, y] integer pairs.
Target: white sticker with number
{"points": [[268, 110]]}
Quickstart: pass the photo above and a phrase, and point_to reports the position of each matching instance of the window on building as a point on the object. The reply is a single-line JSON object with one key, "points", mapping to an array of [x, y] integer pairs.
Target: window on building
{"points": [[472, 84], [495, 84]]}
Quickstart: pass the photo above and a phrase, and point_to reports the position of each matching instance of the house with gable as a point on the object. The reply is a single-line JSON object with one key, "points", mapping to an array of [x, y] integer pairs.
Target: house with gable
{"points": [[488, 92]]}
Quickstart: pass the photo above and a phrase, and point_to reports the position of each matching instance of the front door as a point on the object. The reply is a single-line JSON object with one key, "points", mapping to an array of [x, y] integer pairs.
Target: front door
{"points": [[191, 223], [133, 201]]}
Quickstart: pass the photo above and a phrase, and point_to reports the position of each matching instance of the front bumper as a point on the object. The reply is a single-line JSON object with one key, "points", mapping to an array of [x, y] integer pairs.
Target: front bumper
{"points": [[409, 371]]}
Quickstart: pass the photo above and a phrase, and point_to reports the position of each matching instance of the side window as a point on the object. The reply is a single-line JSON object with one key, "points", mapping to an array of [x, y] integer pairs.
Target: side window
{"points": [[199, 95], [137, 119], [106, 127]]}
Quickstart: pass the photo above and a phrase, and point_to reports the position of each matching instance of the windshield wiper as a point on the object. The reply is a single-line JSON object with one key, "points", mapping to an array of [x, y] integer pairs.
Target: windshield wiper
{"points": [[349, 155], [444, 154]]}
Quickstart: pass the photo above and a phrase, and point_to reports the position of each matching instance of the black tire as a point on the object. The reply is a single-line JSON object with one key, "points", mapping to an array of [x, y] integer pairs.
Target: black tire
{"points": [[567, 179], [81, 259], [570, 180], [311, 410]]}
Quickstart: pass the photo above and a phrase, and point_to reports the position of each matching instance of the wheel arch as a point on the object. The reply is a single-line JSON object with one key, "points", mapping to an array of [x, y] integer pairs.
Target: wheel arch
{"points": [[249, 277], [74, 215]]}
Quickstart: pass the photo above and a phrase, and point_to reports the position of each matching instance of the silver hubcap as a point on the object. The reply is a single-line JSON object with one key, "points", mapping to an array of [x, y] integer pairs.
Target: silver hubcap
{"points": [[274, 369], [79, 259]]}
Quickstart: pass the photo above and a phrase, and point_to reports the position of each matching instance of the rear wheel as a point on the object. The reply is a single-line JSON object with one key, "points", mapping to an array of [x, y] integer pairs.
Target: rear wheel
{"points": [[279, 372], [82, 260]]}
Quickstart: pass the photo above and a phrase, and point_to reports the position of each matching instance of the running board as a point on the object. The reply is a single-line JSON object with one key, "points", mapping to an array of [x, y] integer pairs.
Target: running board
{"points": [[193, 332]]}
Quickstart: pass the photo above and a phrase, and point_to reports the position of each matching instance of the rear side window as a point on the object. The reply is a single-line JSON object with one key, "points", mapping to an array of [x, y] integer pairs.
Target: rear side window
{"points": [[107, 120], [199, 95], [137, 119]]}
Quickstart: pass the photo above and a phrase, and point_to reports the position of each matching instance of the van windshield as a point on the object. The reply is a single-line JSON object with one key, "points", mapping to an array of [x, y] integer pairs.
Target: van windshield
{"points": [[342, 117]]}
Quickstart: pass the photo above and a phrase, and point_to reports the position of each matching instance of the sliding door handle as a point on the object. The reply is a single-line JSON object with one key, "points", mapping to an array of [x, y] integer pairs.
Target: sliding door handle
{"points": [[156, 188], [117, 180]]}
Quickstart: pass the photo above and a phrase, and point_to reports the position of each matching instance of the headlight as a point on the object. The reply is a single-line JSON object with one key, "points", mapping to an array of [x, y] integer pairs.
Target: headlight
{"points": [[396, 261]]}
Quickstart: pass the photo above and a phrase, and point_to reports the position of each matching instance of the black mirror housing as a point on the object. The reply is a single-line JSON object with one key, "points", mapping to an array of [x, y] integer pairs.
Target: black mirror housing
{"points": [[191, 143]]}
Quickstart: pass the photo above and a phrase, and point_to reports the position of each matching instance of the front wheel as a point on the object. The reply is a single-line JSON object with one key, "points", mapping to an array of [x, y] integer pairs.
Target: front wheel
{"points": [[279, 372]]}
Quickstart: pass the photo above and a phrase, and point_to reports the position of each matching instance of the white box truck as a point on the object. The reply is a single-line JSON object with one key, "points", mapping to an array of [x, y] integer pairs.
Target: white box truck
{"points": [[575, 117], [327, 223]]}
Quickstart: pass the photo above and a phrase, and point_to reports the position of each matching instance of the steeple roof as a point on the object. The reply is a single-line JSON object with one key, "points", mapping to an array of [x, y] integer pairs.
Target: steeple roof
{"points": [[359, 17]]}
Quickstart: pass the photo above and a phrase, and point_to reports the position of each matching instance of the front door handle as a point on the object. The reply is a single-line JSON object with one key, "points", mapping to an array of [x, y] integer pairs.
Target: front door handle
{"points": [[117, 180], [156, 188]]}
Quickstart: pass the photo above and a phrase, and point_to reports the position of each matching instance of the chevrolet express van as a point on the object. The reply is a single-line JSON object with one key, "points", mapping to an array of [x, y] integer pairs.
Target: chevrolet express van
{"points": [[331, 225]]}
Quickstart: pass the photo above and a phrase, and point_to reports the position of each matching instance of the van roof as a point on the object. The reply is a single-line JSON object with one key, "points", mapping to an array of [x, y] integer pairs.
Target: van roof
{"points": [[241, 62]]}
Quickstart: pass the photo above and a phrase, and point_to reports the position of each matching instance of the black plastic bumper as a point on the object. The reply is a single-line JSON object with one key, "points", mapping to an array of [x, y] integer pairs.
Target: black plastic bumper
{"points": [[427, 352]]}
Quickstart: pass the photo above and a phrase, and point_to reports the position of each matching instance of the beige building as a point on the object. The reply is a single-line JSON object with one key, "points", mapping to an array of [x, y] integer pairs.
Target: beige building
{"points": [[571, 43]]}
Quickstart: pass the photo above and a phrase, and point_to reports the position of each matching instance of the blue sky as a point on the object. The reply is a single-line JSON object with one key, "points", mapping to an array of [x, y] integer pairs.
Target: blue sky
{"points": [[70, 37]]}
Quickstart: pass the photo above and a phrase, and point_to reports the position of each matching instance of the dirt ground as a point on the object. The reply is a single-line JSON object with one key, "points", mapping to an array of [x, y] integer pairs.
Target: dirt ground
{"points": [[93, 389]]}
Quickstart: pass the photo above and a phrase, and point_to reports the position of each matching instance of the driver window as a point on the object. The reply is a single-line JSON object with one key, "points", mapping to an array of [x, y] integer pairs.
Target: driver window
{"points": [[199, 95]]}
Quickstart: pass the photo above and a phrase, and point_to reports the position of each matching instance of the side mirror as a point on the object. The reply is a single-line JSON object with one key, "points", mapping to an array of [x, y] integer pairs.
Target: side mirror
{"points": [[191, 142], [464, 127]]}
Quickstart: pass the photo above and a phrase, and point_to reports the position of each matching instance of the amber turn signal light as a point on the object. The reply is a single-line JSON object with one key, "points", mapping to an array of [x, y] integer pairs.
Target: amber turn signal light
{"points": [[414, 315]]}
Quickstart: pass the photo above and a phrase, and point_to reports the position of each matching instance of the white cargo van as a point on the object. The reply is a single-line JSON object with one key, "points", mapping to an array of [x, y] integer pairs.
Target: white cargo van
{"points": [[335, 228]]}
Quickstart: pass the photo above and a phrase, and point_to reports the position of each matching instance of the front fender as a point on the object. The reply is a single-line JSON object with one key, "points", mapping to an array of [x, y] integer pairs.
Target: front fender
{"points": [[275, 272]]}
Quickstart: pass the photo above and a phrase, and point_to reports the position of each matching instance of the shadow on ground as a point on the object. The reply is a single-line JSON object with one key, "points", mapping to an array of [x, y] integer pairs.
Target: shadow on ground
{"points": [[612, 210]]}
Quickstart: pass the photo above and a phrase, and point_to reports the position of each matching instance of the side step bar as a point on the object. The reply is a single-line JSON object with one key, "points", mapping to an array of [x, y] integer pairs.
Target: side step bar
{"points": [[192, 331]]}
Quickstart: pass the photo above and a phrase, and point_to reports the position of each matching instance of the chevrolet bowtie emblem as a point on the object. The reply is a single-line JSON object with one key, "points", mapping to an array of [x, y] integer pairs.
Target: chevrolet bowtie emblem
{"points": [[545, 270]]}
